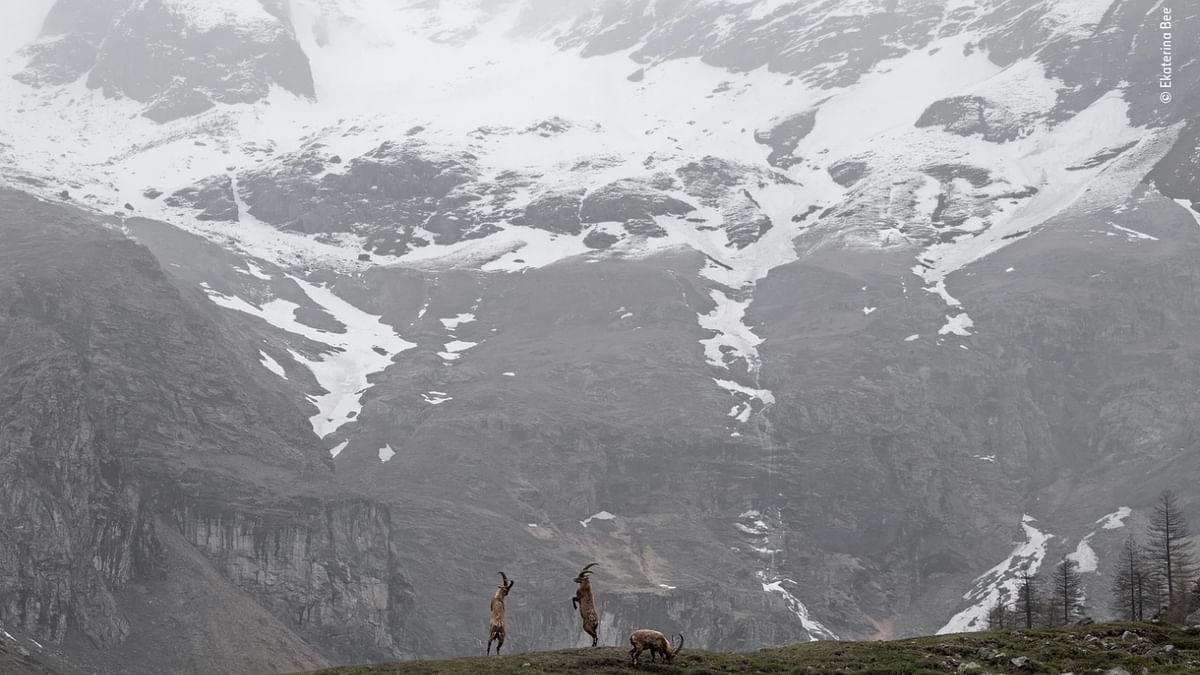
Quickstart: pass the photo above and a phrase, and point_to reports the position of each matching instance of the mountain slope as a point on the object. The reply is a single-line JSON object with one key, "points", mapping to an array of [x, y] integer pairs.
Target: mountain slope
{"points": [[861, 307]]}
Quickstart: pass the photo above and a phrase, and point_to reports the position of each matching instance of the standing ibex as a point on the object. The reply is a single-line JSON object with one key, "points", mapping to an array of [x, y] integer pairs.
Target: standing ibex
{"points": [[654, 642], [583, 602], [496, 629]]}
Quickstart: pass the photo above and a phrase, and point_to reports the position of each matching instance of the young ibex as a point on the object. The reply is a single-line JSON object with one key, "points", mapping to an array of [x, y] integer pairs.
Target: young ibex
{"points": [[496, 629], [583, 602], [654, 642]]}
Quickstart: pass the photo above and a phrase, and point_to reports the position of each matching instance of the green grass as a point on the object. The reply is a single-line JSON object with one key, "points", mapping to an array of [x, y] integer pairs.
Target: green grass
{"points": [[1077, 649]]}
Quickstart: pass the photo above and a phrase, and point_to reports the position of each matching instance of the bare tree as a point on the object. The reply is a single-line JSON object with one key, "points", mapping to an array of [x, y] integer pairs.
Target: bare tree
{"points": [[1028, 597], [1169, 550], [1066, 592], [1001, 615], [1130, 582]]}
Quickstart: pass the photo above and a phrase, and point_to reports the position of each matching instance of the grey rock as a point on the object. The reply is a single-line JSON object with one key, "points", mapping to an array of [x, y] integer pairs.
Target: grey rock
{"points": [[847, 172], [1022, 663], [645, 227], [784, 136], [385, 194], [148, 53], [599, 240], [555, 212], [629, 199], [974, 116], [213, 197]]}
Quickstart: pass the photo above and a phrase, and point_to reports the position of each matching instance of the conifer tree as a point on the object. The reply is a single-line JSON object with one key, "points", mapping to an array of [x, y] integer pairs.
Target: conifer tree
{"points": [[1169, 551], [1066, 592]]}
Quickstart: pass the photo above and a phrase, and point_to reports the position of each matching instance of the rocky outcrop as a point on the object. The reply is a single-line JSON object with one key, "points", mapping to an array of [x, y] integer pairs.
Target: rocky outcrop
{"points": [[387, 195], [973, 116], [783, 137], [629, 199], [826, 49], [177, 59], [213, 197], [724, 186], [70, 41], [555, 212]]}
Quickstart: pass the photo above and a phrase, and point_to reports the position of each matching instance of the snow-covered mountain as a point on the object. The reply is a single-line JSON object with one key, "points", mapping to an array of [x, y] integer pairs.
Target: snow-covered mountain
{"points": [[833, 298]]}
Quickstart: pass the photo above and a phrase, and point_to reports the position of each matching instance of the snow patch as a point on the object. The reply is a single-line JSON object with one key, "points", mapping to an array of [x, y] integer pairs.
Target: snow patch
{"points": [[959, 324], [271, 364], [386, 453], [436, 397], [456, 321], [1116, 519], [344, 368], [1085, 555], [1134, 234], [254, 271], [337, 449], [1000, 581], [453, 350], [732, 334], [602, 515], [912, 337]]}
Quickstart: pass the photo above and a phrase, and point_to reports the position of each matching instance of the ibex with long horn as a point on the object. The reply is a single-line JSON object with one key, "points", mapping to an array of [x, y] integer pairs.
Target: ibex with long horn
{"points": [[654, 642], [496, 628], [583, 602]]}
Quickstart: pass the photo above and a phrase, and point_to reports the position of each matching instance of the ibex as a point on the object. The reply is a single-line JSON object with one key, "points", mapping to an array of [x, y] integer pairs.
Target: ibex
{"points": [[653, 642], [583, 602], [496, 628]]}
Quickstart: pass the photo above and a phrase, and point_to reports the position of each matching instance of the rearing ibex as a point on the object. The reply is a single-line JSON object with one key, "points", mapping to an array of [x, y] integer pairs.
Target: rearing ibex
{"points": [[583, 602], [496, 628]]}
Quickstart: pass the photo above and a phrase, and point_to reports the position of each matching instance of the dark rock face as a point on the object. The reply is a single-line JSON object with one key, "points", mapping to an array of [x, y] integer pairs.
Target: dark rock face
{"points": [[176, 64], [645, 227], [784, 136], [385, 194], [722, 185], [1095, 61], [71, 37], [799, 39], [973, 116], [629, 199], [848, 172], [213, 198], [555, 212], [599, 240]]}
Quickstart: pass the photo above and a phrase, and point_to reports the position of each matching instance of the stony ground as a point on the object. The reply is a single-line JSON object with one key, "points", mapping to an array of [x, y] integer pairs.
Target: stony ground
{"points": [[1111, 649]]}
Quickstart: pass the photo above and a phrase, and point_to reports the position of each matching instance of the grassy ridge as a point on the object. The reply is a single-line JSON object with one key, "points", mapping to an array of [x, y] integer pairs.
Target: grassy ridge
{"points": [[1135, 647]]}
